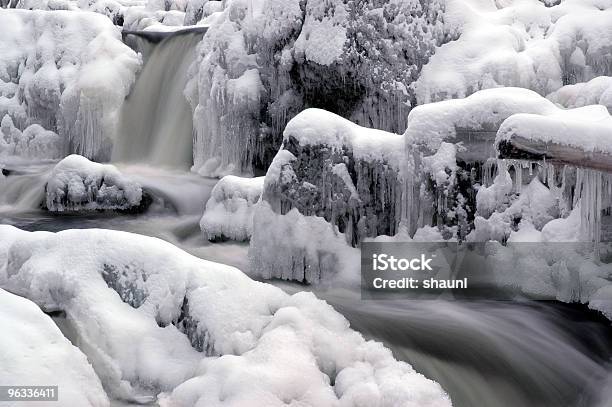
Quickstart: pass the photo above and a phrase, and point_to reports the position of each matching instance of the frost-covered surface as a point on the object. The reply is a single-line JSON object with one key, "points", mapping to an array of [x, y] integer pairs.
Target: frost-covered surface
{"points": [[518, 43], [262, 62], [207, 334], [34, 352], [77, 184], [67, 71], [229, 210], [597, 91]]}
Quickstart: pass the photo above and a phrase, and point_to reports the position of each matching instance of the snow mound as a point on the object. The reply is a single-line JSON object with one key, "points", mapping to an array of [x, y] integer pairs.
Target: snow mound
{"points": [[34, 352], [597, 91], [229, 210], [71, 81], [207, 334], [459, 120], [518, 43], [77, 184]]}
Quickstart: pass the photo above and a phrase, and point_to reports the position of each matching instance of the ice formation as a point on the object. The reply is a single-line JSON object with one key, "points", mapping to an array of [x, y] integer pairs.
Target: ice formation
{"points": [[77, 184], [527, 44], [207, 334], [262, 62], [229, 210], [33, 143], [34, 352], [70, 81]]}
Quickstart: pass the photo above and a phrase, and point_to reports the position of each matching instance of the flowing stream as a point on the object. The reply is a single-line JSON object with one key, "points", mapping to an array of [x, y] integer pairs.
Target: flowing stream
{"points": [[483, 353]]}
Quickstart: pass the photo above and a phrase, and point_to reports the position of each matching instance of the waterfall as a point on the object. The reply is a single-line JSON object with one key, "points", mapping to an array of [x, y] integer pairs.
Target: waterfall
{"points": [[156, 120]]}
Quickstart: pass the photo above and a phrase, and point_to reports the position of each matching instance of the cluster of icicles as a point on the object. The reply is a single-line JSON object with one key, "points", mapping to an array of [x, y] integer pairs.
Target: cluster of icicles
{"points": [[588, 189]]}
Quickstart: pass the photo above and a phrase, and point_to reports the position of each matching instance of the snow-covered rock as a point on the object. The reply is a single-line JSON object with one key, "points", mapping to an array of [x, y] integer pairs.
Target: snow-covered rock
{"points": [[67, 71], [35, 353], [77, 184], [331, 185], [206, 334], [262, 62], [229, 210], [525, 43]]}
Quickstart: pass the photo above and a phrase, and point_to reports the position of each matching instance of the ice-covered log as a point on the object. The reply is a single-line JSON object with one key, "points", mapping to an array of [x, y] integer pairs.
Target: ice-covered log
{"points": [[34, 353], [263, 62], [579, 137], [70, 81], [527, 44], [207, 334], [229, 210], [77, 184]]}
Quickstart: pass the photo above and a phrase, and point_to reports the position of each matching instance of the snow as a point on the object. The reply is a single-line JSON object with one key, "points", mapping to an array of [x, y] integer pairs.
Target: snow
{"points": [[320, 127], [70, 81], [300, 248], [229, 210], [433, 123], [33, 143], [519, 43], [77, 184], [597, 91], [207, 334], [35, 353], [587, 128]]}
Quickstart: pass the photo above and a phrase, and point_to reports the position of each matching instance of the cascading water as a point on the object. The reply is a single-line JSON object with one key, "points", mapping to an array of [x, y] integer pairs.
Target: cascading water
{"points": [[156, 121]]}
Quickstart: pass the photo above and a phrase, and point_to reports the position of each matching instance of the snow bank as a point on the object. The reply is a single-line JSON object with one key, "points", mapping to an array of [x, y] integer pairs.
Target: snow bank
{"points": [[597, 91], [229, 210], [518, 43], [70, 81], [261, 63], [77, 184], [34, 353], [207, 334]]}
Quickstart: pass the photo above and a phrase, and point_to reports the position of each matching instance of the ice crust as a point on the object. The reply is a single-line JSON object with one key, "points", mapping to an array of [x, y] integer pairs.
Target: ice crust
{"points": [[207, 334]]}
